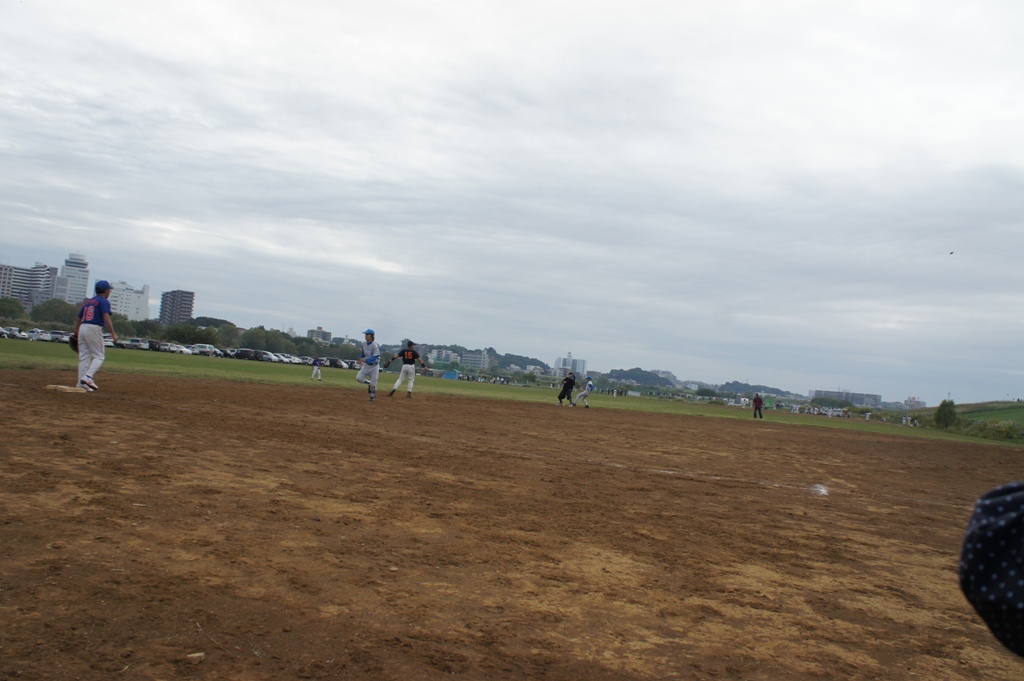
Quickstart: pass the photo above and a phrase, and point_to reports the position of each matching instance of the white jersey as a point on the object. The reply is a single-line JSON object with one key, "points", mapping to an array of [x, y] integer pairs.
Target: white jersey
{"points": [[370, 353]]}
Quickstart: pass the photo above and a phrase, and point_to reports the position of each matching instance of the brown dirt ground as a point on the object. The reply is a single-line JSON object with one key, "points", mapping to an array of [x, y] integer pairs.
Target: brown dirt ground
{"points": [[304, 533]]}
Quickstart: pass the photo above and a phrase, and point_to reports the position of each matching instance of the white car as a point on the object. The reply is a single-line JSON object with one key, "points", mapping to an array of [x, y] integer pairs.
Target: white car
{"points": [[108, 340], [38, 334], [15, 332]]}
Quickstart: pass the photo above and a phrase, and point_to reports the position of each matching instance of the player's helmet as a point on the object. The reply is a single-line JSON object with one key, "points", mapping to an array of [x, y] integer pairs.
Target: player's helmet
{"points": [[370, 331], [103, 285], [588, 378], [410, 344]]}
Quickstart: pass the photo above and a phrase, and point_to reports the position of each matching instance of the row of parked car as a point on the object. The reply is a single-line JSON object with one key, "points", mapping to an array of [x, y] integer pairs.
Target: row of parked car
{"points": [[34, 334], [196, 349], [285, 358]]}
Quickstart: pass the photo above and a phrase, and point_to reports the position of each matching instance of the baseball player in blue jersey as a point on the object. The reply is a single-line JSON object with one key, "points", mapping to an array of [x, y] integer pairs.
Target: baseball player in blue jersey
{"points": [[583, 394], [92, 317], [316, 370], [369, 363]]}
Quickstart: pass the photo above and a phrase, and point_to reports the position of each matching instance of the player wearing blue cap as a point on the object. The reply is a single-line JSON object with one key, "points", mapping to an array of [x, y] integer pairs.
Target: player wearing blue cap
{"points": [[369, 363], [583, 394], [317, 362], [92, 317]]}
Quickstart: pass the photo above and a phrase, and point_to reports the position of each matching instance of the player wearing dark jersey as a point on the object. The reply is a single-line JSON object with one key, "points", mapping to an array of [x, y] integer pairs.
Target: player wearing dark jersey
{"points": [[568, 383], [409, 357]]}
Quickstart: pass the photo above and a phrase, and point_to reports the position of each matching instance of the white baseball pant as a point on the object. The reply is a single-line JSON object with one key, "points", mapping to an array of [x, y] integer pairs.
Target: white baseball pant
{"points": [[91, 352], [408, 374]]}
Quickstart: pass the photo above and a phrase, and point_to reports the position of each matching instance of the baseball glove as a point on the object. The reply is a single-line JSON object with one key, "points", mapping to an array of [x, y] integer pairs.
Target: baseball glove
{"points": [[73, 343], [387, 364]]}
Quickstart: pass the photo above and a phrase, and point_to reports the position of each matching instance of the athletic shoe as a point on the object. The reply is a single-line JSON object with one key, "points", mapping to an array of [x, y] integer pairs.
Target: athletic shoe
{"points": [[83, 385], [89, 383], [409, 395], [586, 406], [391, 394], [373, 394], [572, 404]]}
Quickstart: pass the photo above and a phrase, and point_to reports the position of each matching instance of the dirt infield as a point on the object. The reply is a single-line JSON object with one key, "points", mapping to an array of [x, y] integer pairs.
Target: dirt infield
{"points": [[171, 528]]}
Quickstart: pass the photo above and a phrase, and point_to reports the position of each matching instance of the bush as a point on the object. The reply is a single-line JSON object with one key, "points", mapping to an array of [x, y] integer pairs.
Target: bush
{"points": [[946, 416]]}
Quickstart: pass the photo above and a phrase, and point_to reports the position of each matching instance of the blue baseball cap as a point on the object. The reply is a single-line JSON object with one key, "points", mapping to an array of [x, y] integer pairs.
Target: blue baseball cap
{"points": [[370, 331], [103, 285]]}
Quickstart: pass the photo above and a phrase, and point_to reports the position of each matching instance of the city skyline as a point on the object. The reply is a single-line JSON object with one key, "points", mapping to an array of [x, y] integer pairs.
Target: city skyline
{"points": [[803, 194]]}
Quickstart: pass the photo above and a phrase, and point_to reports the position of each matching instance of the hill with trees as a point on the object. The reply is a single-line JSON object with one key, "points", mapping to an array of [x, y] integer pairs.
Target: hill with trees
{"points": [[639, 377]]}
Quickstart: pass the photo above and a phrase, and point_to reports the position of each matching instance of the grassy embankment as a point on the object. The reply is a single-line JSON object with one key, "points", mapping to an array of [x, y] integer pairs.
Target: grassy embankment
{"points": [[17, 354]]}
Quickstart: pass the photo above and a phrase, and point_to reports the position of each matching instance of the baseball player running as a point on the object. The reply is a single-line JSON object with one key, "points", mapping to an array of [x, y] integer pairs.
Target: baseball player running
{"points": [[409, 358], [583, 394], [92, 317], [568, 383], [369, 363]]}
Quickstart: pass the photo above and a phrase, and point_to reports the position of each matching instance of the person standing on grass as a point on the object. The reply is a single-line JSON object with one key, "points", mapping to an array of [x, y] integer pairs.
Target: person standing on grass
{"points": [[758, 403], [409, 358], [568, 383], [92, 317], [369, 363], [316, 369], [587, 389]]}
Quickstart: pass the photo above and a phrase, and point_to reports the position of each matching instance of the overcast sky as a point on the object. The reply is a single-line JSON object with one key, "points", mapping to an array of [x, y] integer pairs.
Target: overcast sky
{"points": [[802, 194]]}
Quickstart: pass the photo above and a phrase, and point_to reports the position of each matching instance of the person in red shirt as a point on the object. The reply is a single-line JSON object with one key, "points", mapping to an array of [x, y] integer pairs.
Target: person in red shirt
{"points": [[758, 403]]}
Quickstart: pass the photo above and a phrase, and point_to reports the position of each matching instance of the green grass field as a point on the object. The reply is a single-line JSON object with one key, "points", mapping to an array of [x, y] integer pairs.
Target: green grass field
{"points": [[18, 354], [993, 411]]}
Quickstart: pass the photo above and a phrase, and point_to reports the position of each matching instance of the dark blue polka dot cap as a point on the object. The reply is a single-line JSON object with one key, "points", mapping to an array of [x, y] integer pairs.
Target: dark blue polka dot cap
{"points": [[991, 568]]}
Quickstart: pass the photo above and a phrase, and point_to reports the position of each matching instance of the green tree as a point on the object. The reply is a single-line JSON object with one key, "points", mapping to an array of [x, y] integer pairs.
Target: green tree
{"points": [[11, 308], [277, 341], [228, 334], [123, 326], [149, 328], [187, 334], [945, 415], [255, 338], [55, 311]]}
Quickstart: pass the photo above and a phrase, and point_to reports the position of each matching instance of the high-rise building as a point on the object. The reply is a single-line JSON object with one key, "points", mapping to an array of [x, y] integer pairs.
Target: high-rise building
{"points": [[318, 334], [132, 302], [477, 359], [564, 365], [72, 285], [28, 285], [176, 307]]}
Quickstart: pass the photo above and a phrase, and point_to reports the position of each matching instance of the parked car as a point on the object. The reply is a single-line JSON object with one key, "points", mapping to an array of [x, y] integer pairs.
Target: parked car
{"points": [[3, 333], [38, 335], [15, 332], [267, 356], [108, 340], [59, 336], [203, 349], [154, 345], [135, 344], [245, 353]]}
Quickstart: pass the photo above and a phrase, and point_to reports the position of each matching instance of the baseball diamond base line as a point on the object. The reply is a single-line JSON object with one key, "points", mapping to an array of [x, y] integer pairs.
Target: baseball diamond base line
{"points": [[66, 389]]}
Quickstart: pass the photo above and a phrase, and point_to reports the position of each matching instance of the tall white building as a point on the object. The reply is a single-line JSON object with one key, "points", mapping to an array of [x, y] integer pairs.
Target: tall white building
{"points": [[564, 365], [30, 286], [132, 302], [72, 285]]}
